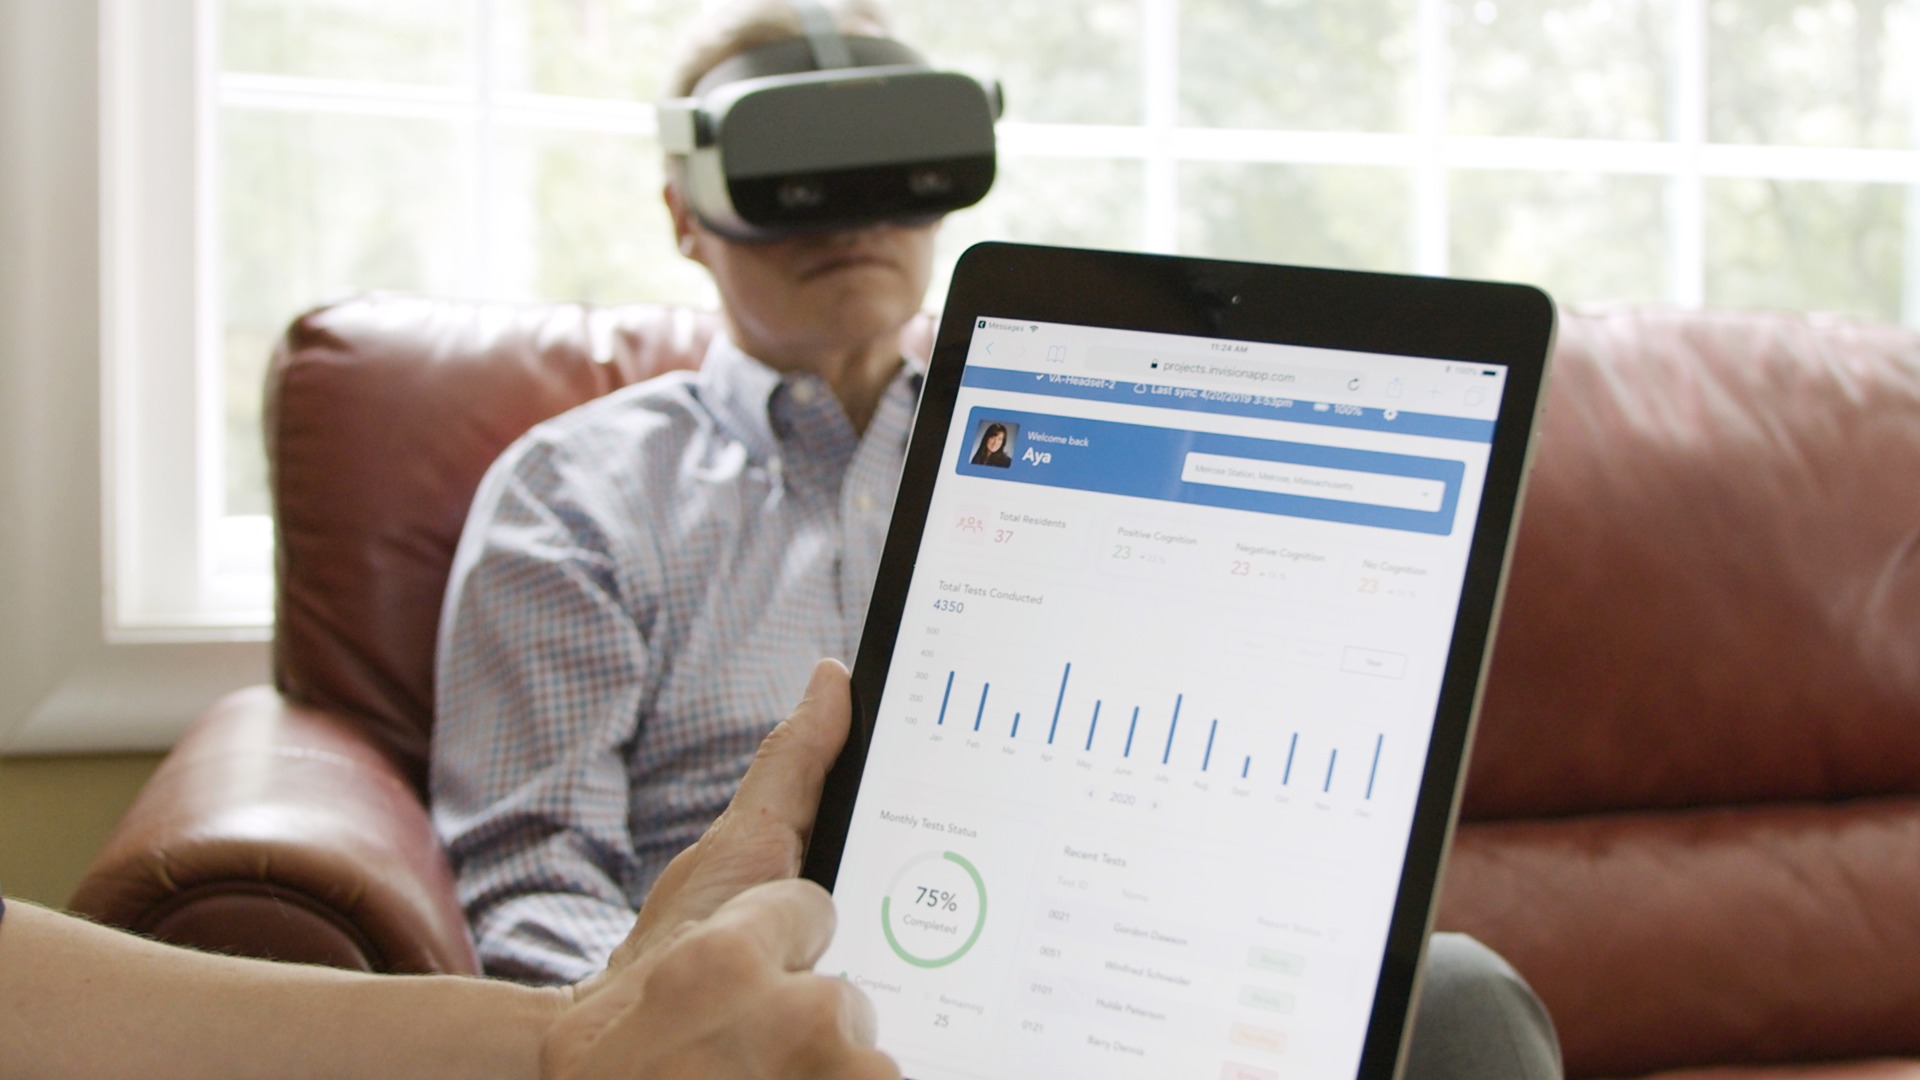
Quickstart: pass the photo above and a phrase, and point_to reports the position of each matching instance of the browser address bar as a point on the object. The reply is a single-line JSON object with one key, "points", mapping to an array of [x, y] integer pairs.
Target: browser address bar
{"points": [[1286, 380]]}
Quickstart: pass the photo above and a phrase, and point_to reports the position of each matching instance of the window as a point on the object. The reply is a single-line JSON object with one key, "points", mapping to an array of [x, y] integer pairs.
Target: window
{"points": [[1726, 152]]}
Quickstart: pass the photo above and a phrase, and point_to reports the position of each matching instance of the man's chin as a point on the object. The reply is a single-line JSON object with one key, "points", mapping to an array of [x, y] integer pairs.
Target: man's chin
{"points": [[867, 318]]}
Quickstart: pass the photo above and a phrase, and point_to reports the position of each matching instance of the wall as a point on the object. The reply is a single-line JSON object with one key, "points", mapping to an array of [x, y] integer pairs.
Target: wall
{"points": [[55, 812], [64, 686]]}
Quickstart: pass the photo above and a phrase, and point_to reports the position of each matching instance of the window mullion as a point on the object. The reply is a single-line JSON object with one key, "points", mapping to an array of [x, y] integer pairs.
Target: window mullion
{"points": [[1910, 289], [1686, 248], [210, 436], [1430, 225], [485, 91], [1160, 42], [1910, 269]]}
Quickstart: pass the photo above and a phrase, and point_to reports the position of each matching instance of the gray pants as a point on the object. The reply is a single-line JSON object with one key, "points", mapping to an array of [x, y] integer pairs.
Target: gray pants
{"points": [[1478, 1019]]}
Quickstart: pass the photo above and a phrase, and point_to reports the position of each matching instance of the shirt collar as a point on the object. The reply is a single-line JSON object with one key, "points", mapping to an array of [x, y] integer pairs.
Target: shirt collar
{"points": [[741, 392], [737, 388]]}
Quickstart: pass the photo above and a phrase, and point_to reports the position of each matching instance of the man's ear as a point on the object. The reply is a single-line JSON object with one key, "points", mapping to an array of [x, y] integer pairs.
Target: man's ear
{"points": [[685, 235]]}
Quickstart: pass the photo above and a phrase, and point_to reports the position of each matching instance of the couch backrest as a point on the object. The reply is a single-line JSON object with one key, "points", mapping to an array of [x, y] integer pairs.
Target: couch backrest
{"points": [[1692, 819], [1715, 592], [1715, 595]]}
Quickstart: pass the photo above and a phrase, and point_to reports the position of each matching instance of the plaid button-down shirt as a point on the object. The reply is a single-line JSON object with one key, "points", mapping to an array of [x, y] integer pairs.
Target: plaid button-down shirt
{"points": [[642, 588]]}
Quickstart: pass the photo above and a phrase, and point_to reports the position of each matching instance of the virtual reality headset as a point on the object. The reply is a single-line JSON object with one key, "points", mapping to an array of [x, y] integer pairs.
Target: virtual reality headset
{"points": [[829, 132]]}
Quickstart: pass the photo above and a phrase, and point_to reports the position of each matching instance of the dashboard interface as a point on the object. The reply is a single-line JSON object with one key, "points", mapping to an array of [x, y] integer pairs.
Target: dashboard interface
{"points": [[1142, 777]]}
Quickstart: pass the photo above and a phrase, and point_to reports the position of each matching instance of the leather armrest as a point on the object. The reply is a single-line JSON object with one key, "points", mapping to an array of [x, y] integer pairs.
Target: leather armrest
{"points": [[279, 830]]}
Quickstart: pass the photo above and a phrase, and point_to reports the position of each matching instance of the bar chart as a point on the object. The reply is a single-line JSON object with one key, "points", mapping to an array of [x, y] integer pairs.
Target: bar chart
{"points": [[1166, 730]]}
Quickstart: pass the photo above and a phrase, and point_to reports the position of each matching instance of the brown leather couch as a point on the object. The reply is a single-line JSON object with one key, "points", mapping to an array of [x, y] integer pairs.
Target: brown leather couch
{"points": [[1693, 819]]}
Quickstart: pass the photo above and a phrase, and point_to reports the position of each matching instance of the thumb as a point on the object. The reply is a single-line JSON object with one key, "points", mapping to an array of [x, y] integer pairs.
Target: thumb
{"points": [[781, 791], [764, 830]]}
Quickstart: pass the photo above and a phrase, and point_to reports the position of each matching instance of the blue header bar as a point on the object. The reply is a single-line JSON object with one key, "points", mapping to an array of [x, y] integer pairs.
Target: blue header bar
{"points": [[1227, 403], [1324, 483]]}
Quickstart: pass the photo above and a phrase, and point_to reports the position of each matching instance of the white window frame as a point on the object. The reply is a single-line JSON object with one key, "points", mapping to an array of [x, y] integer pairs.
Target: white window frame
{"points": [[177, 570]]}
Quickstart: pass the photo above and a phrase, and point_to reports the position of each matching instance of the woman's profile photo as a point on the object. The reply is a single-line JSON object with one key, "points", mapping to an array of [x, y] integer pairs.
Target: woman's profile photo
{"points": [[992, 449]]}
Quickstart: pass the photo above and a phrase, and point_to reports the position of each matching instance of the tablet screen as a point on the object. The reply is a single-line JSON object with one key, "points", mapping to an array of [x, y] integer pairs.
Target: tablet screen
{"points": [[1140, 786]]}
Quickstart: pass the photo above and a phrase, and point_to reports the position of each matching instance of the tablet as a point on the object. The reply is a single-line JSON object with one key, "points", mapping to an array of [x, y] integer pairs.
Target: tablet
{"points": [[1164, 695]]}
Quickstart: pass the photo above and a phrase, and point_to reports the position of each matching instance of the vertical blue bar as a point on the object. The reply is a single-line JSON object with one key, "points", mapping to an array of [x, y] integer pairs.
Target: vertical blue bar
{"points": [[1055, 726], [1286, 775], [1331, 758], [1207, 758], [982, 710], [1172, 726], [1245, 764], [1094, 726], [1015, 733], [1375, 770], [1131, 724], [943, 701]]}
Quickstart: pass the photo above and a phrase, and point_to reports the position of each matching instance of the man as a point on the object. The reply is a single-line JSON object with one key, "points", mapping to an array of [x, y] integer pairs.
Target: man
{"points": [[645, 581]]}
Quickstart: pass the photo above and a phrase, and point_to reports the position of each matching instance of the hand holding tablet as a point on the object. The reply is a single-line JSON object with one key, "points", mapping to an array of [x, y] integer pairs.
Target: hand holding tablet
{"points": [[1169, 675]]}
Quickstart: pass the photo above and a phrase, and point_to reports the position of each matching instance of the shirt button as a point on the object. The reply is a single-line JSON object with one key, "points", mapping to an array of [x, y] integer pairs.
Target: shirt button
{"points": [[863, 501], [803, 392]]}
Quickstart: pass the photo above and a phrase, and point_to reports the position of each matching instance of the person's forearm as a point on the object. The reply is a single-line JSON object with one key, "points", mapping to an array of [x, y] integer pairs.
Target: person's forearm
{"points": [[80, 1000]]}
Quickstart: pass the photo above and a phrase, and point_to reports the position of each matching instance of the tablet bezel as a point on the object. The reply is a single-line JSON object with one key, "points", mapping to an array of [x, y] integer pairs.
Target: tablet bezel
{"points": [[1434, 318]]}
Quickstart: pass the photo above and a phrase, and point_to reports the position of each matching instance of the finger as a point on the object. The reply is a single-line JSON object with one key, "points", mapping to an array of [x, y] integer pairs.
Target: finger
{"points": [[829, 1032], [864, 1065], [661, 906], [763, 831], [654, 913], [782, 786], [861, 1022], [788, 922]]}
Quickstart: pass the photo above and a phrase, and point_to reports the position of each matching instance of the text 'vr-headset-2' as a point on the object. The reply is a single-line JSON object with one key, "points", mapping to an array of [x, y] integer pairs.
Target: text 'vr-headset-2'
{"points": [[828, 131]]}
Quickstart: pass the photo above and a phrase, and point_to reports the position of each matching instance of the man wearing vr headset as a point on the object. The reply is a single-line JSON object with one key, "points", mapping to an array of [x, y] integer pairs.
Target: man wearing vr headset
{"points": [[645, 582]]}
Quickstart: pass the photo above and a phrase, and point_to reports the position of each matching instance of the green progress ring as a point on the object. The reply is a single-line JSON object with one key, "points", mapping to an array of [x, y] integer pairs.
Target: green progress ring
{"points": [[886, 921]]}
